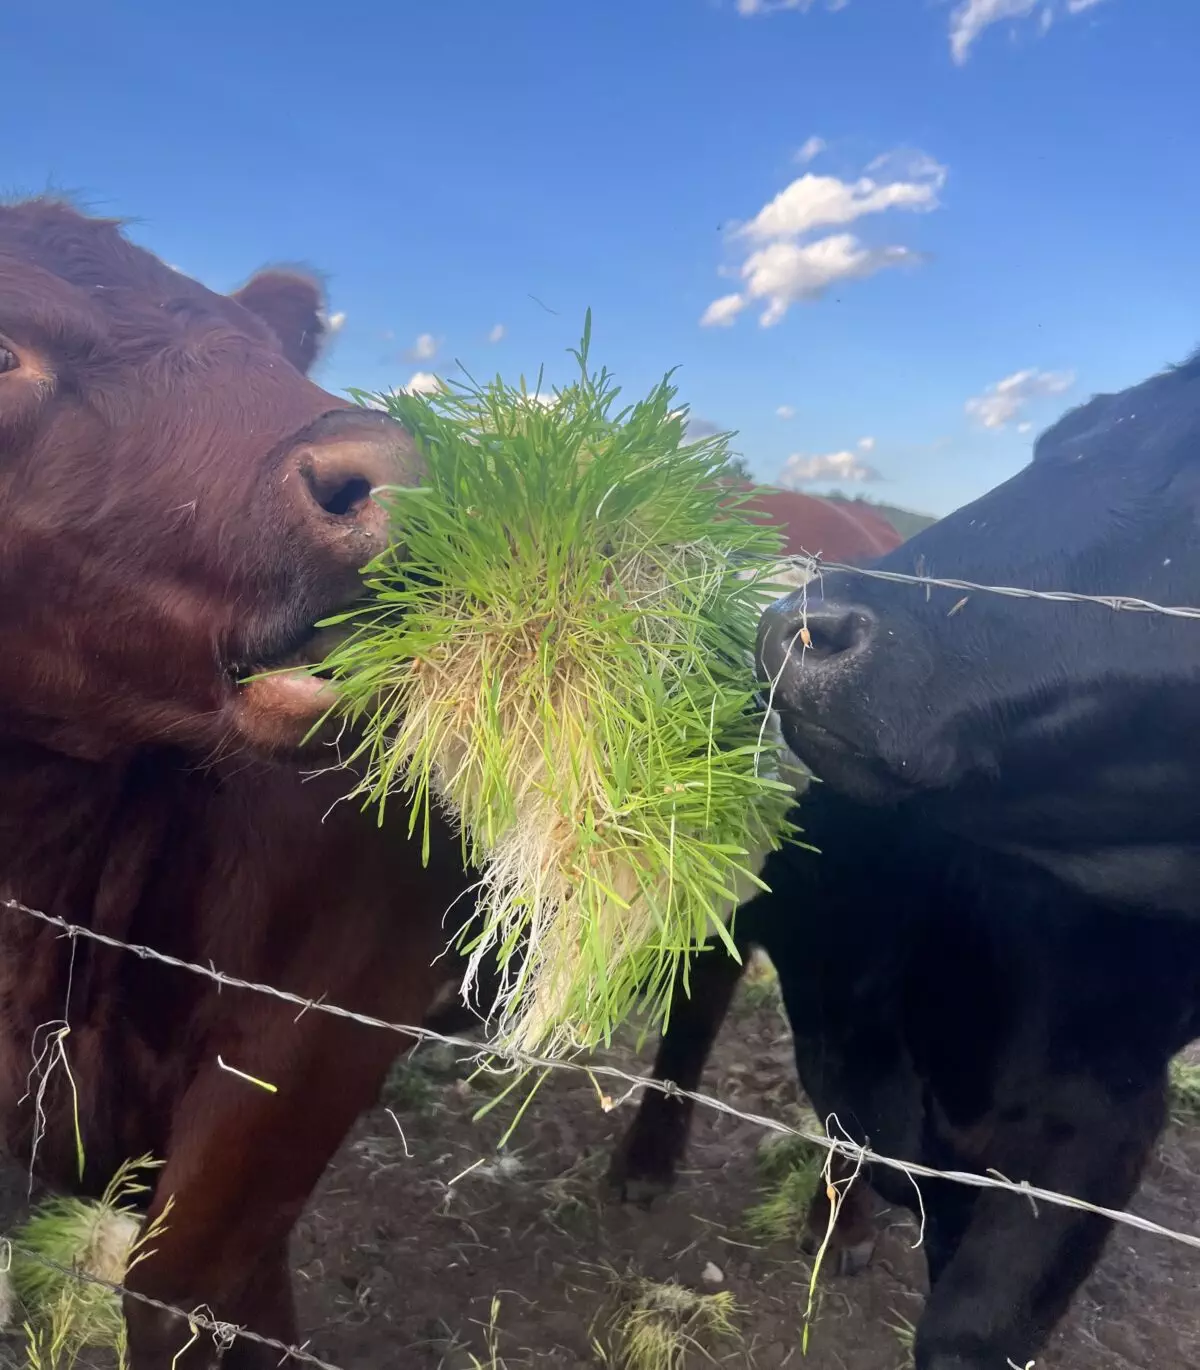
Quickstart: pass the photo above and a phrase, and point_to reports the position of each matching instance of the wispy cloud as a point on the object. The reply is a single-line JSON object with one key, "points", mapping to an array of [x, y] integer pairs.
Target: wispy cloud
{"points": [[497, 333], [810, 149], [972, 17], [722, 312], [749, 8], [1006, 401], [425, 348], [845, 466]]}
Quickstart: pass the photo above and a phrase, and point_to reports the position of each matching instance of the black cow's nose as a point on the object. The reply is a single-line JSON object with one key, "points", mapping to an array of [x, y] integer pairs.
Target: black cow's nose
{"points": [[796, 633]]}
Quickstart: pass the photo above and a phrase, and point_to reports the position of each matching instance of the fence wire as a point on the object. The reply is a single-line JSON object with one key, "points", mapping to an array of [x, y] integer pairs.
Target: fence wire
{"points": [[634, 1083], [814, 565], [224, 1334]]}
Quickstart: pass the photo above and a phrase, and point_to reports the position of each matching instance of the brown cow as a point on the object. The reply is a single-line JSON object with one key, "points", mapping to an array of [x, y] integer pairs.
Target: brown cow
{"points": [[837, 532], [178, 505]]}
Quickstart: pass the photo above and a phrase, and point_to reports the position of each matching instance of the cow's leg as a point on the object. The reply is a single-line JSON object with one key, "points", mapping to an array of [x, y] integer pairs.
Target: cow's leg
{"points": [[268, 1306], [1014, 1270], [241, 1165], [851, 1243], [645, 1162]]}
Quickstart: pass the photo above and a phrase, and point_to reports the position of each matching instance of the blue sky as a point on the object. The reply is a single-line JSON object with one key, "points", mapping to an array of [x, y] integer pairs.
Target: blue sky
{"points": [[1000, 213]]}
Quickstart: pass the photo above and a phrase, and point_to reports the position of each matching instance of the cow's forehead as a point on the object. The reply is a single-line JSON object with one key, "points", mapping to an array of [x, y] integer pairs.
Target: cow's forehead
{"points": [[81, 251], [78, 276]]}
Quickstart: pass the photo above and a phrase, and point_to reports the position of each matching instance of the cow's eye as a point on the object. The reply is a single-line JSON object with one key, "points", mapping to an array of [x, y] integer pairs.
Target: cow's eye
{"points": [[8, 359]]}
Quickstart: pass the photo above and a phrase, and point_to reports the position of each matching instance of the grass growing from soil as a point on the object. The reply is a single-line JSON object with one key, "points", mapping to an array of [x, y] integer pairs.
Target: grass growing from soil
{"points": [[791, 1170], [1183, 1093], [557, 651]]}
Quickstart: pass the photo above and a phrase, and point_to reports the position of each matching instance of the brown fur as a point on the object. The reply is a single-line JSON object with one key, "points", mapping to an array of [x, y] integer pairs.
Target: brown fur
{"points": [[151, 540]]}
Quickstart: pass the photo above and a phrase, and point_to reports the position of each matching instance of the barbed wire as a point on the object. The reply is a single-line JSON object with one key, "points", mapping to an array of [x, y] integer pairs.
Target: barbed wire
{"points": [[223, 1333], [861, 1154], [816, 565]]}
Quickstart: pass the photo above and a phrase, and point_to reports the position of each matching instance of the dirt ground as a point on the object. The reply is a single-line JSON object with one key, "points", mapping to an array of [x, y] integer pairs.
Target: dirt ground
{"points": [[409, 1258]]}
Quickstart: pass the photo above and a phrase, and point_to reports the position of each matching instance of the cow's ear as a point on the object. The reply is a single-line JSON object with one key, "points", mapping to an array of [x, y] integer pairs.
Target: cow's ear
{"points": [[293, 306]]}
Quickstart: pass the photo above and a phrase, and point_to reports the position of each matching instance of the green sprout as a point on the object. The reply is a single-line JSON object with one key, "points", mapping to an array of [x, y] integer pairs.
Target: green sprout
{"points": [[66, 1257], [557, 650]]}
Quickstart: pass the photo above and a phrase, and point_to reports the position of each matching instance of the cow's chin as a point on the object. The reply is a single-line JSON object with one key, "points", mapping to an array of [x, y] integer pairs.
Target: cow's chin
{"points": [[280, 715], [282, 710]]}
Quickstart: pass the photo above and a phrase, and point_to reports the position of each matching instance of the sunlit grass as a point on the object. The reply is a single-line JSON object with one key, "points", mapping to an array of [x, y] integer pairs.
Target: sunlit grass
{"points": [[558, 651]]}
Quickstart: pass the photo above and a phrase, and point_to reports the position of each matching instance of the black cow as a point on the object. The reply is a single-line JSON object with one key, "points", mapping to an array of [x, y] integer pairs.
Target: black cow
{"points": [[997, 952]]}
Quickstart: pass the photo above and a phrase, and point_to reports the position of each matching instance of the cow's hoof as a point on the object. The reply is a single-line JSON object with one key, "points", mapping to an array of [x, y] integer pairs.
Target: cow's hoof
{"points": [[642, 1190], [639, 1176], [850, 1259]]}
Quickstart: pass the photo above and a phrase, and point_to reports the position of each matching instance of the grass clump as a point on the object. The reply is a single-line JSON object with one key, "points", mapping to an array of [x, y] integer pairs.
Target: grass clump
{"points": [[791, 1171], [67, 1238], [1183, 1091], [760, 985], [557, 651], [659, 1326]]}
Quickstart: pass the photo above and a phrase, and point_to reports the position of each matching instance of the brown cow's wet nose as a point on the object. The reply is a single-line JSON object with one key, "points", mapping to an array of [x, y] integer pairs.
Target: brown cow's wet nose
{"points": [[798, 638], [340, 476], [335, 468]]}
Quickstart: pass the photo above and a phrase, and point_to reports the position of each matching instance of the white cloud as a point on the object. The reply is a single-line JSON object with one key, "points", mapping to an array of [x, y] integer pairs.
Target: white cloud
{"points": [[866, 444], [781, 270], [1007, 400], [497, 333], [846, 466], [783, 274], [423, 383], [1025, 427], [972, 17], [721, 313], [785, 411], [812, 147], [425, 348], [748, 8], [813, 201]]}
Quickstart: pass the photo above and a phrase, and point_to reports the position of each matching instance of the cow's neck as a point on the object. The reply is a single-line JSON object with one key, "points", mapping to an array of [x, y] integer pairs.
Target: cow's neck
{"points": [[78, 839]]}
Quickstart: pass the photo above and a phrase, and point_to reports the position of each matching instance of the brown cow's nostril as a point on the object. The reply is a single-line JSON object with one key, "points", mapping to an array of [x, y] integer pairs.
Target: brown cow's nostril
{"points": [[346, 498], [340, 478]]}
